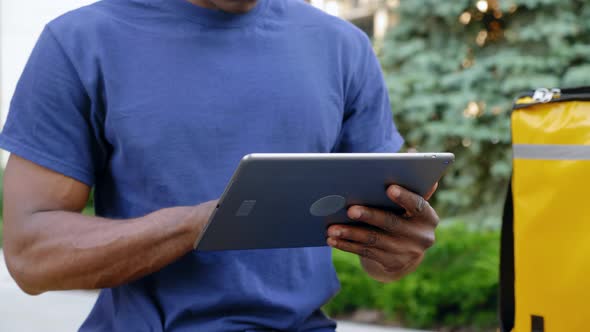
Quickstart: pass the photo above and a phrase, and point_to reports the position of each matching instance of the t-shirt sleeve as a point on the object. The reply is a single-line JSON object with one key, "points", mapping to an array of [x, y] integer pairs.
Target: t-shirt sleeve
{"points": [[368, 124], [49, 121]]}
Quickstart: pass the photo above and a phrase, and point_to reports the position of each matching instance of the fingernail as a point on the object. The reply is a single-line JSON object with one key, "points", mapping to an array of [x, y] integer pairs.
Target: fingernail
{"points": [[335, 233], [356, 213], [395, 191], [332, 242]]}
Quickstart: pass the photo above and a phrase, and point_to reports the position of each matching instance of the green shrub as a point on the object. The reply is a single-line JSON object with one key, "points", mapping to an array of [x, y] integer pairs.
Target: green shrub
{"points": [[456, 285]]}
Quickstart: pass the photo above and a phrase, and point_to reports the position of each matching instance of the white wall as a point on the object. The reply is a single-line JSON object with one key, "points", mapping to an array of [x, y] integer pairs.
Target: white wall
{"points": [[21, 22]]}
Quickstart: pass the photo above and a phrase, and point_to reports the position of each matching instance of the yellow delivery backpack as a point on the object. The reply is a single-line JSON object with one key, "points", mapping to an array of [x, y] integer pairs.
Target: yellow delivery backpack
{"points": [[545, 253]]}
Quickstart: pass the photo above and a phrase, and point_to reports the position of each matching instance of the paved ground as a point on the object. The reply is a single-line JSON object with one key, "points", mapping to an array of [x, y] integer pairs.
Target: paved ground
{"points": [[64, 311]]}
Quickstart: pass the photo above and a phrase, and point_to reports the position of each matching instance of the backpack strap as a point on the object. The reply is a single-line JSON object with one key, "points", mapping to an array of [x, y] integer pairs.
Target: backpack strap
{"points": [[506, 293]]}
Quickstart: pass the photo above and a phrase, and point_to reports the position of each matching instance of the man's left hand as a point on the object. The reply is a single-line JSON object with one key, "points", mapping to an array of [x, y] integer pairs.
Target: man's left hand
{"points": [[396, 244]]}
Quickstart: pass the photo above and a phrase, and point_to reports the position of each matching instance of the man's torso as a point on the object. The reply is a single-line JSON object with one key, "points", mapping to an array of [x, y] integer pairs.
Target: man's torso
{"points": [[176, 103]]}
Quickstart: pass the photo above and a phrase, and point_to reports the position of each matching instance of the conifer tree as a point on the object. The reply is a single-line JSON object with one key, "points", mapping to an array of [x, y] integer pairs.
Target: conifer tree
{"points": [[454, 69]]}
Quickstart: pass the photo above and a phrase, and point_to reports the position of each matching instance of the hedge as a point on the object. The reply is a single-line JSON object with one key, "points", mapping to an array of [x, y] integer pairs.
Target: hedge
{"points": [[456, 285]]}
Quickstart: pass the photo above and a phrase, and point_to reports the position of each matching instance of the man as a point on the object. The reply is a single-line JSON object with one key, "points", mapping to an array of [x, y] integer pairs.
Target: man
{"points": [[154, 102]]}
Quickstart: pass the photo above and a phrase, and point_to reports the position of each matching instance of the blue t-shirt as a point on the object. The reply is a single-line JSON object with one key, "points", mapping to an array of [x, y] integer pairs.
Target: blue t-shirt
{"points": [[154, 103]]}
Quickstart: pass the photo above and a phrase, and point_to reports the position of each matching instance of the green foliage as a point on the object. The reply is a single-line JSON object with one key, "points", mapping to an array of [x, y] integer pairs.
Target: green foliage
{"points": [[89, 209], [453, 72], [456, 285]]}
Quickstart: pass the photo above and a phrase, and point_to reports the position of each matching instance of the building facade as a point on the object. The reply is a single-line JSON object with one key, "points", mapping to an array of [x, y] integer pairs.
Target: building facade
{"points": [[373, 16]]}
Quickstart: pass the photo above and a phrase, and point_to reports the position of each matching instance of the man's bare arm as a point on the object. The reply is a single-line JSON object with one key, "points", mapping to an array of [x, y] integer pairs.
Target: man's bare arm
{"points": [[50, 245]]}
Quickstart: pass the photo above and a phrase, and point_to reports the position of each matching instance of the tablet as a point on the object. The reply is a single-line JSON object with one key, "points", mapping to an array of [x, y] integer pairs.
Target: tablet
{"points": [[289, 200]]}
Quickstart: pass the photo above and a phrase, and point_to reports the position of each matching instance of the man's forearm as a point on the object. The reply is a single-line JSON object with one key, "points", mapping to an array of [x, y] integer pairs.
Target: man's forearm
{"points": [[65, 250]]}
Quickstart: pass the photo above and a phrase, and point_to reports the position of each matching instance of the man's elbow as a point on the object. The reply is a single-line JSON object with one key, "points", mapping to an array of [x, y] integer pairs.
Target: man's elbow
{"points": [[23, 273]]}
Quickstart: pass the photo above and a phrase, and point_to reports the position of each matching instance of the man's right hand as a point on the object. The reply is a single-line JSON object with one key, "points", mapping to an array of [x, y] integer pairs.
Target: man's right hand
{"points": [[50, 245]]}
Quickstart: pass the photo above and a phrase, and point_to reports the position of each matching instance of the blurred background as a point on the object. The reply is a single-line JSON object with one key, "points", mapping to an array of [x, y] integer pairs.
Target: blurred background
{"points": [[453, 69]]}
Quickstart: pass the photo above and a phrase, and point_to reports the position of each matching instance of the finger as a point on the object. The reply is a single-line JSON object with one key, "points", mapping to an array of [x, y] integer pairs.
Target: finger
{"points": [[419, 230], [391, 261], [428, 195], [367, 236], [381, 219], [357, 248], [414, 204]]}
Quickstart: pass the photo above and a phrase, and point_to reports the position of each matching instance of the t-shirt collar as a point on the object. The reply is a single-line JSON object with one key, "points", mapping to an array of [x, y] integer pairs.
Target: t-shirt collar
{"points": [[212, 17]]}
